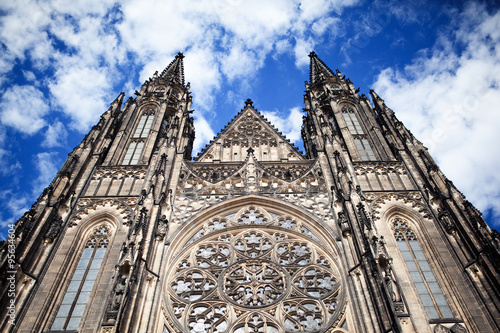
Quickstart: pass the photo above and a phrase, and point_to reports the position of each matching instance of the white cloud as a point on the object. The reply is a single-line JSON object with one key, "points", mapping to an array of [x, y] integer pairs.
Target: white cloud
{"points": [[55, 135], [202, 70], [302, 49], [47, 167], [447, 97], [8, 165], [29, 75], [241, 62], [204, 134], [15, 205], [289, 124], [83, 93], [23, 108]]}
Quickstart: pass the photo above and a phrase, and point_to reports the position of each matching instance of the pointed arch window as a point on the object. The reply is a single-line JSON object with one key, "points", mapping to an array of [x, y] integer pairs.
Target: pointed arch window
{"points": [[141, 132], [424, 280], [75, 300], [364, 149], [352, 121], [142, 129], [133, 153], [359, 136]]}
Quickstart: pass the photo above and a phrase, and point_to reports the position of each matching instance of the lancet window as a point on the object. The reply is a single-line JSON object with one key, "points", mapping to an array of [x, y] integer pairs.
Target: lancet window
{"points": [[144, 125], [75, 300], [359, 136], [133, 153], [141, 132], [425, 282]]}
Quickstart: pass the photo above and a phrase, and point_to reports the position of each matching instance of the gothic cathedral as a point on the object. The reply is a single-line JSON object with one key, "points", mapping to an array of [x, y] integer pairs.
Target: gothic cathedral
{"points": [[363, 233]]}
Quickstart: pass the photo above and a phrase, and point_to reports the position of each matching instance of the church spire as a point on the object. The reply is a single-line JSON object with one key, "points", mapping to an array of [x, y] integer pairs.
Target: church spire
{"points": [[318, 69], [175, 70]]}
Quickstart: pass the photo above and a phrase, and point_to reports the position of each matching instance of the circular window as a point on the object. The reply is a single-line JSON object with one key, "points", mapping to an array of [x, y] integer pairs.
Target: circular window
{"points": [[254, 271], [254, 283]]}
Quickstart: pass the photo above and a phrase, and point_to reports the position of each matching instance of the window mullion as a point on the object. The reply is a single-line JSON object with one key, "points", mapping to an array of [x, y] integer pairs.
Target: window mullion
{"points": [[424, 279], [75, 301]]}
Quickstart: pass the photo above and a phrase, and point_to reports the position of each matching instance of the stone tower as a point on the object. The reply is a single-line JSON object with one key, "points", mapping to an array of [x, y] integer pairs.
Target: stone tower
{"points": [[362, 234]]}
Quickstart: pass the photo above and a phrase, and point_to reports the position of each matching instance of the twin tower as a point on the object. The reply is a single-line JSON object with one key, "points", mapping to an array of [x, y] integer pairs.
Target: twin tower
{"points": [[363, 233]]}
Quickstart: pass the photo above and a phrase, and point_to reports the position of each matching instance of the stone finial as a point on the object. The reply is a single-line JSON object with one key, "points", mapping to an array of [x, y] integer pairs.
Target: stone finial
{"points": [[248, 103]]}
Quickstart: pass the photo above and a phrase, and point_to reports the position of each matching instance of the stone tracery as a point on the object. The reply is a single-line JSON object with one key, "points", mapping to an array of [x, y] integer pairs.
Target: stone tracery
{"points": [[254, 271]]}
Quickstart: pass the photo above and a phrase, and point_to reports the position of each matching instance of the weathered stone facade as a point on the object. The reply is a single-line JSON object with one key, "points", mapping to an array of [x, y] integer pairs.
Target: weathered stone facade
{"points": [[362, 234]]}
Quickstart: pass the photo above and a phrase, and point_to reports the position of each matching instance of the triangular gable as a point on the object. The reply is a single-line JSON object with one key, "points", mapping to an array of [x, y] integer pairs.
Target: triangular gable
{"points": [[249, 129]]}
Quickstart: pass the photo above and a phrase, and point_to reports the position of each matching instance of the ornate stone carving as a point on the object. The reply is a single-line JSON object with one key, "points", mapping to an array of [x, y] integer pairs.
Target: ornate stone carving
{"points": [[413, 200], [250, 133], [162, 228], [124, 208], [54, 229], [118, 292], [223, 277], [251, 216], [308, 191]]}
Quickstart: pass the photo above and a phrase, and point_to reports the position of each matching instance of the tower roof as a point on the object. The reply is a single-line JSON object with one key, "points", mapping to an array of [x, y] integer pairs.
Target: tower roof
{"points": [[175, 70], [318, 69]]}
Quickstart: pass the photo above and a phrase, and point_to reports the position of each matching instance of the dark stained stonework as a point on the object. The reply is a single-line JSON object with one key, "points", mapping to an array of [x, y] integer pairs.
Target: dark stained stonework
{"points": [[362, 233]]}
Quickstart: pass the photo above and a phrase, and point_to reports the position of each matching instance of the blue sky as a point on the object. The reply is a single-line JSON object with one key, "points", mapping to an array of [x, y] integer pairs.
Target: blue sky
{"points": [[435, 63]]}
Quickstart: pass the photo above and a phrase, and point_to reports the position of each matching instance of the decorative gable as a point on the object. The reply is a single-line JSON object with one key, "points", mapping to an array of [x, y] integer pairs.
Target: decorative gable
{"points": [[249, 130]]}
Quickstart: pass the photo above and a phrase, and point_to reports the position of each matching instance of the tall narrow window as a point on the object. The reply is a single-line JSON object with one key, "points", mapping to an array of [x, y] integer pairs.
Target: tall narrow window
{"points": [[144, 125], [364, 149], [75, 300], [134, 150], [133, 153], [352, 121], [425, 282], [359, 136]]}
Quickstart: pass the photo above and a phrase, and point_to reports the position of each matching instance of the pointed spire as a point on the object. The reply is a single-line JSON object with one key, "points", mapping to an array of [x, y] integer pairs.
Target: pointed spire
{"points": [[117, 103], [318, 69], [375, 96], [175, 70]]}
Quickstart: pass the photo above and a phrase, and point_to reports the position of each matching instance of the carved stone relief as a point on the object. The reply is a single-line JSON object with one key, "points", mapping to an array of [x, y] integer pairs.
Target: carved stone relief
{"points": [[251, 216], [112, 181], [413, 200], [125, 208], [249, 132], [305, 187], [264, 278], [385, 176]]}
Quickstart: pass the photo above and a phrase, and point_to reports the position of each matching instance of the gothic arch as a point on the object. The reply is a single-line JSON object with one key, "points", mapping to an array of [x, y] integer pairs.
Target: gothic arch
{"points": [[96, 231], [407, 237], [389, 203], [152, 104], [113, 209], [311, 222], [253, 263]]}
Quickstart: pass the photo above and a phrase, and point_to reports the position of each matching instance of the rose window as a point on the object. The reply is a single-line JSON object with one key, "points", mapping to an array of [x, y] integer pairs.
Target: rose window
{"points": [[254, 283], [261, 278]]}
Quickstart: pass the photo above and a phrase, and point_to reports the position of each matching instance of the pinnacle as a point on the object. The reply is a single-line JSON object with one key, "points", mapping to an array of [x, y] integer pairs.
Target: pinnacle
{"points": [[318, 69], [175, 70]]}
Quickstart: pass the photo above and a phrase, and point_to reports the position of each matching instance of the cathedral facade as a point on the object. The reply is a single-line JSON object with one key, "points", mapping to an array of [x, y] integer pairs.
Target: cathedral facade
{"points": [[362, 233]]}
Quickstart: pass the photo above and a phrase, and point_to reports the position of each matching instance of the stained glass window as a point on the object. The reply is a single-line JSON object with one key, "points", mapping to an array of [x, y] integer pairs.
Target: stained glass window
{"points": [[425, 282], [77, 295]]}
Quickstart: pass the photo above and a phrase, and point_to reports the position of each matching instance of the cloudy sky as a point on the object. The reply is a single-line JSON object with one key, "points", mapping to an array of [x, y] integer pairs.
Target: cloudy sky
{"points": [[62, 62]]}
